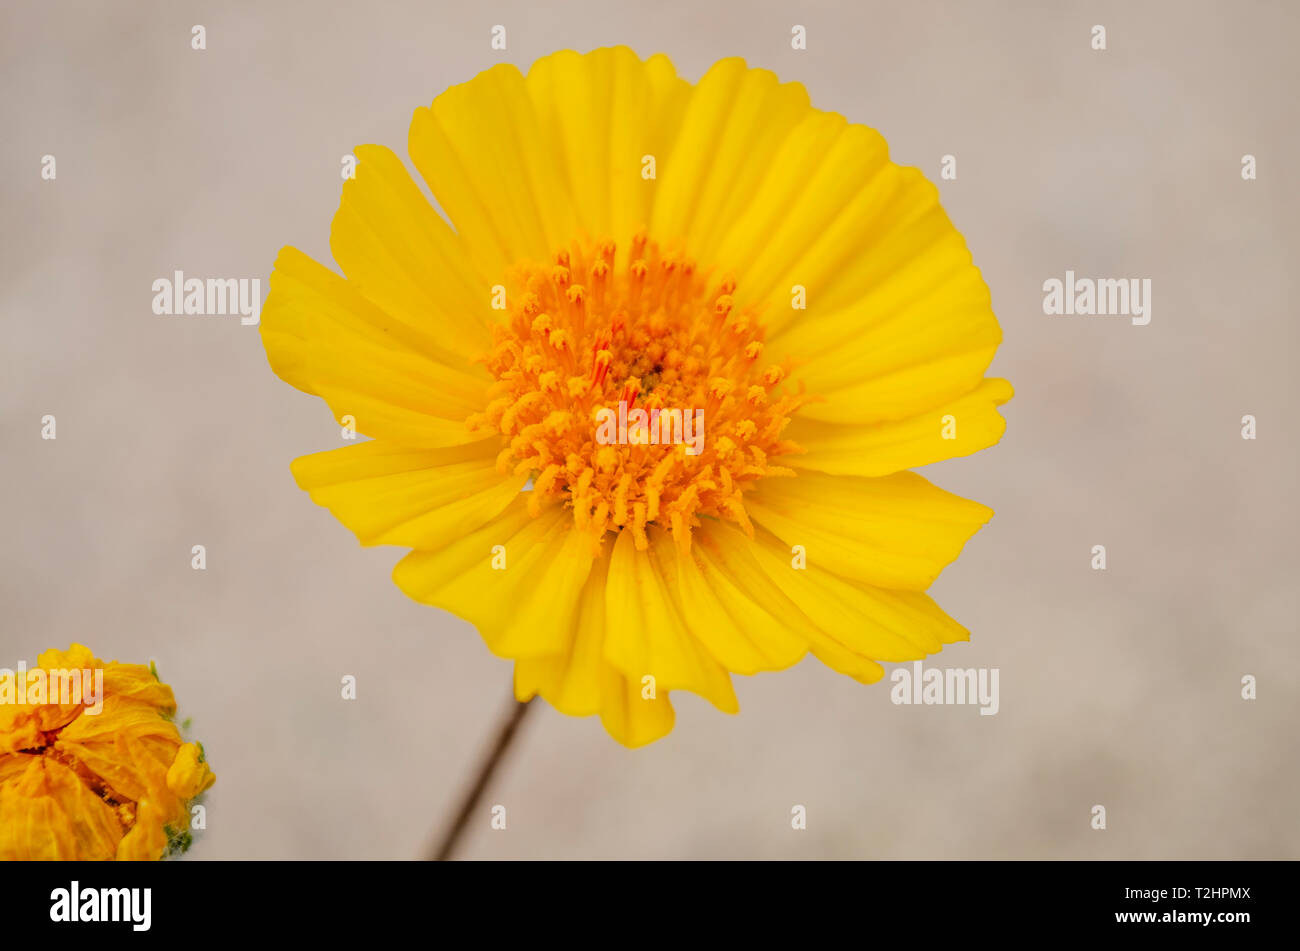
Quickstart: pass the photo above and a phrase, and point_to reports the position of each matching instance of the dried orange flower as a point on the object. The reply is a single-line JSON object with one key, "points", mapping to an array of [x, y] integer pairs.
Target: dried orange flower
{"points": [[91, 764]]}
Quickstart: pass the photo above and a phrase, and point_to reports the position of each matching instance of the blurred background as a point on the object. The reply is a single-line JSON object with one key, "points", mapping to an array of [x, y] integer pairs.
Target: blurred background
{"points": [[1118, 687]]}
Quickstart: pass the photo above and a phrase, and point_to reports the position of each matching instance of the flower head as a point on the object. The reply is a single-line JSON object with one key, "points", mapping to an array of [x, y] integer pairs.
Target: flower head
{"points": [[620, 239], [91, 764]]}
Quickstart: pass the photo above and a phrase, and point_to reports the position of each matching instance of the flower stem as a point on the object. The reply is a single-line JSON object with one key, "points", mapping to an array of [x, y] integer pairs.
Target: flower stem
{"points": [[469, 804]]}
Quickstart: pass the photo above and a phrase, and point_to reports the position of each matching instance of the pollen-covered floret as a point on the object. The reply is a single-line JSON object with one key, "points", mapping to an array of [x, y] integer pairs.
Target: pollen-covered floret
{"points": [[585, 334]]}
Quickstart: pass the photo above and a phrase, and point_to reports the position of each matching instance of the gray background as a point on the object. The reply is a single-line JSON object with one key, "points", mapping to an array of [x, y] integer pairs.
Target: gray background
{"points": [[1118, 687]]}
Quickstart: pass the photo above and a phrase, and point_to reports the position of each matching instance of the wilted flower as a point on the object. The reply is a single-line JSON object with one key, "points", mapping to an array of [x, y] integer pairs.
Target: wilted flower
{"points": [[92, 765]]}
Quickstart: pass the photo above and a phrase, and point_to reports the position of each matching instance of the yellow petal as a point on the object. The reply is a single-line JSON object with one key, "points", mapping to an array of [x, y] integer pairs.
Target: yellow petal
{"points": [[733, 125], [400, 255], [895, 317], [527, 607], [128, 745], [722, 615], [898, 531], [523, 166], [922, 334], [47, 814], [878, 623], [324, 338], [629, 716], [388, 495], [139, 683], [13, 765], [646, 103], [736, 556], [77, 656], [571, 678], [580, 682], [646, 634], [828, 175], [147, 840], [478, 149], [972, 420], [189, 774]]}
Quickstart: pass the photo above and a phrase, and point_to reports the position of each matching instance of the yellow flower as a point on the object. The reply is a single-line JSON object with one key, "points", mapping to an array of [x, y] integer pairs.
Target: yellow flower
{"points": [[620, 241], [91, 764]]}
